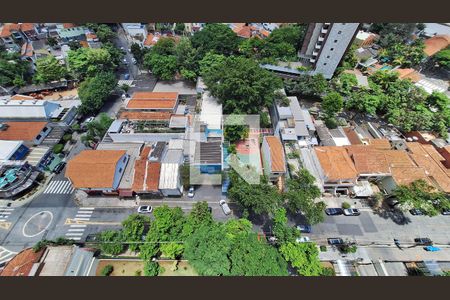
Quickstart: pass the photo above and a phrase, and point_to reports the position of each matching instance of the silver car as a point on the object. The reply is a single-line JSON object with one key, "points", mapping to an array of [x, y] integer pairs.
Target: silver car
{"points": [[226, 209]]}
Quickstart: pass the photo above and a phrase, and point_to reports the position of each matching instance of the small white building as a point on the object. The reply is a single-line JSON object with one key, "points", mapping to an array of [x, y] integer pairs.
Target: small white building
{"points": [[35, 109], [12, 150]]}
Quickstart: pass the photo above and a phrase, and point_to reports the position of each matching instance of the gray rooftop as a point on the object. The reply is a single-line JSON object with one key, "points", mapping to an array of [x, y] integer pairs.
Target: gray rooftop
{"points": [[80, 263]]}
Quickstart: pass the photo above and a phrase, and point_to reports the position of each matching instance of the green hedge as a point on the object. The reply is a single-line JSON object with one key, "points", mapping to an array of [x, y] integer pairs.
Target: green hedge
{"points": [[58, 148]]}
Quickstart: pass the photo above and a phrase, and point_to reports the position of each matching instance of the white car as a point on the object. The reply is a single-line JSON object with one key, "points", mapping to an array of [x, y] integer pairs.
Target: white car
{"points": [[226, 209], [191, 192], [351, 212], [302, 239], [145, 209]]}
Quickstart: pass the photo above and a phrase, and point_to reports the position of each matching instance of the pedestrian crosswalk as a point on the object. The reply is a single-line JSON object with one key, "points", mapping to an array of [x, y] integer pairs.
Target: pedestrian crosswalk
{"points": [[76, 231], [5, 213], [5, 256], [59, 187], [430, 86], [127, 82]]}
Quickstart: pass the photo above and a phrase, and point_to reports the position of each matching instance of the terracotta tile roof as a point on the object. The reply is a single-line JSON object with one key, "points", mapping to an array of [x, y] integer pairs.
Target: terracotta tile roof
{"points": [[427, 158], [370, 161], [84, 44], [407, 175], [27, 26], [242, 30], [146, 173], [22, 263], [382, 144], [149, 115], [8, 28], [436, 43], [94, 168], [27, 50], [151, 39], [352, 136], [21, 97], [276, 154], [408, 74], [22, 131], [153, 100], [68, 25], [336, 163]]}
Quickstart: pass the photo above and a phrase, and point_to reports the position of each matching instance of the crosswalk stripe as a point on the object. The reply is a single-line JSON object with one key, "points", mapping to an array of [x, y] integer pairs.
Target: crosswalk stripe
{"points": [[5, 213], [81, 219], [87, 212], [2, 220], [87, 208], [82, 216], [74, 234], [75, 238], [76, 229], [53, 186], [6, 209], [59, 187], [77, 225]]}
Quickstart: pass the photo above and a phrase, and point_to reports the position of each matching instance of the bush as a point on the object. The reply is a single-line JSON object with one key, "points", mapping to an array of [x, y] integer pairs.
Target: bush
{"points": [[345, 205], [58, 148], [107, 270], [328, 272], [138, 273], [76, 127], [67, 137], [348, 249], [331, 123], [151, 268], [323, 248]]}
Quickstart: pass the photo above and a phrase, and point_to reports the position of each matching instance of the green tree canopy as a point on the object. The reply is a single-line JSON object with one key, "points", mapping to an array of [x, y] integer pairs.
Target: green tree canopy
{"points": [[111, 242], [49, 69], [94, 91], [89, 61], [301, 195], [307, 86], [13, 70], [332, 104], [419, 194], [260, 198], [241, 85], [215, 37], [133, 229], [304, 257], [281, 230]]}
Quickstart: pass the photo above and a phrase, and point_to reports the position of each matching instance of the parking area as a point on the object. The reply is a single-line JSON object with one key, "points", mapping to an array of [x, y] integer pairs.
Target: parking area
{"points": [[375, 228]]}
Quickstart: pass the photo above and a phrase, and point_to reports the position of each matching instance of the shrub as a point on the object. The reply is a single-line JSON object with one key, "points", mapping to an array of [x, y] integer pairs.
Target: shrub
{"points": [[76, 127], [328, 272], [345, 205], [58, 148], [151, 268], [67, 137], [138, 273], [323, 248], [348, 249], [331, 123], [107, 270]]}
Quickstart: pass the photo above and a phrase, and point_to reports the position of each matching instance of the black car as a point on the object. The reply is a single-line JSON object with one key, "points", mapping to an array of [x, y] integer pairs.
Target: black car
{"points": [[416, 212], [335, 241], [59, 167], [423, 241], [334, 211], [446, 212]]}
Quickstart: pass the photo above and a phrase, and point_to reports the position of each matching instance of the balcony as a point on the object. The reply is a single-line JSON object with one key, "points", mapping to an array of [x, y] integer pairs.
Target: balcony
{"points": [[318, 46], [324, 30], [312, 60], [320, 39], [315, 53], [327, 24]]}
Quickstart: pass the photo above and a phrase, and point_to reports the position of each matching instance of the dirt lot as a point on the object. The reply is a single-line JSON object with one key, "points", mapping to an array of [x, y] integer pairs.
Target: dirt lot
{"points": [[122, 267], [130, 267]]}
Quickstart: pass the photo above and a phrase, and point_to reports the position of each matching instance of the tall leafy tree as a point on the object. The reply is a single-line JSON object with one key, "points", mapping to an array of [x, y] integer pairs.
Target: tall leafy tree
{"points": [[94, 91], [111, 242], [89, 61], [13, 70], [241, 85], [281, 230], [304, 257], [215, 37], [49, 69], [301, 195], [133, 229]]}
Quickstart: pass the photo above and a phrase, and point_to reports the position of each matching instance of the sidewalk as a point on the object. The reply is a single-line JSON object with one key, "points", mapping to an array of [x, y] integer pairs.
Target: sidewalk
{"points": [[83, 200]]}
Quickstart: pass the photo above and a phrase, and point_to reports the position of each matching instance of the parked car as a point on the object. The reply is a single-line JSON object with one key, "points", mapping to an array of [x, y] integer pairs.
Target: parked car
{"points": [[59, 167], [351, 212], [446, 212], [416, 212], [302, 239], [304, 228], [226, 209], [134, 61], [89, 120], [335, 241], [191, 192], [126, 76], [145, 209], [423, 241], [334, 211], [432, 248]]}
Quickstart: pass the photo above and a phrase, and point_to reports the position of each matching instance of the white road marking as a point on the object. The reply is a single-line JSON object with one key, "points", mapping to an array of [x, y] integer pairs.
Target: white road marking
{"points": [[81, 219], [74, 234], [87, 208], [76, 229], [77, 225]]}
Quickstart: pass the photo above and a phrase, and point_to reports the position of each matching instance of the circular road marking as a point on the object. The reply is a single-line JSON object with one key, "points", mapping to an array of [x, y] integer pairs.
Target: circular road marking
{"points": [[37, 224]]}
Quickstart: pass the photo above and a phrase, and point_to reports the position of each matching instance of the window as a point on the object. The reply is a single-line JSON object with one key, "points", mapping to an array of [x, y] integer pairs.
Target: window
{"points": [[339, 32], [331, 49], [328, 56], [120, 170], [125, 159], [335, 41], [324, 64]]}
